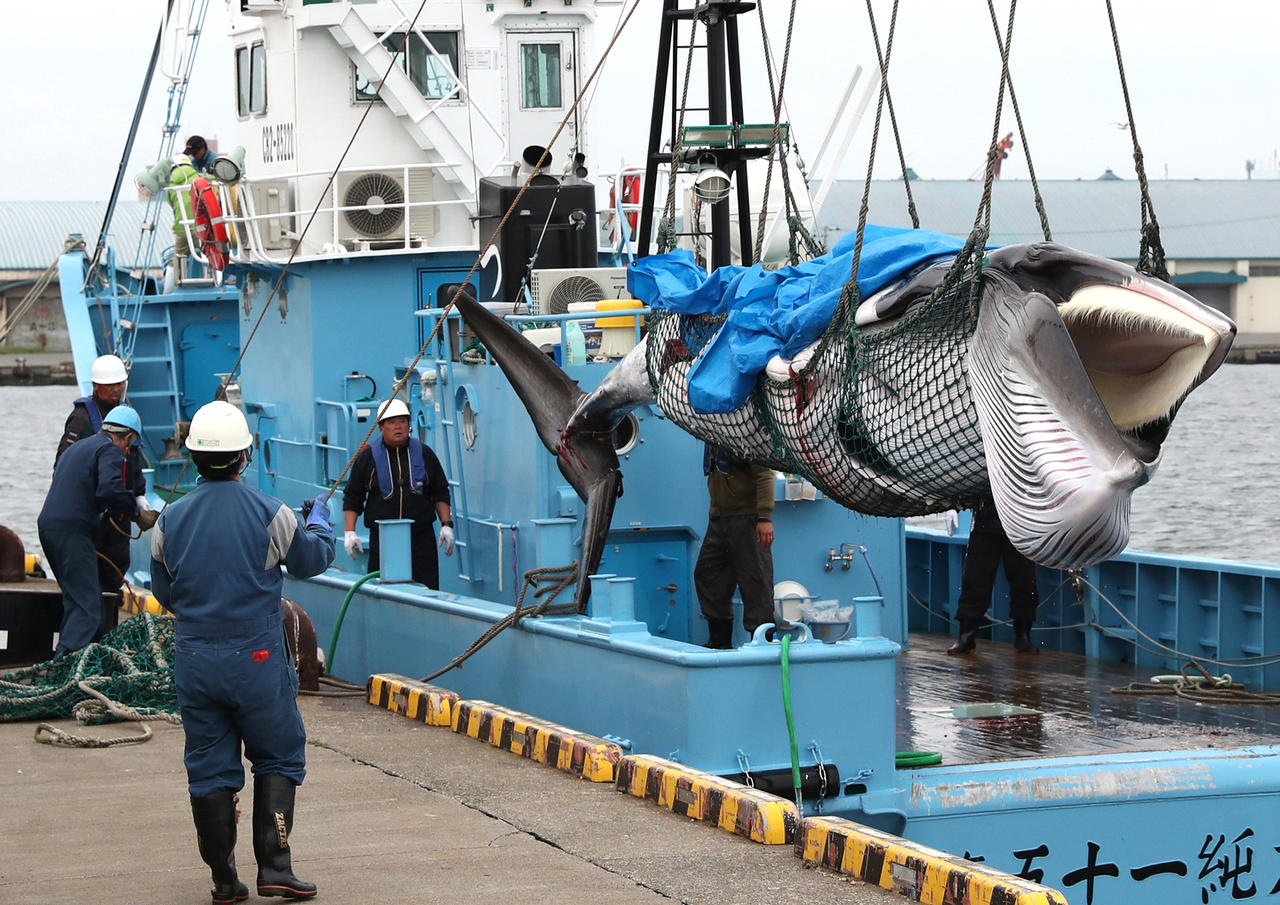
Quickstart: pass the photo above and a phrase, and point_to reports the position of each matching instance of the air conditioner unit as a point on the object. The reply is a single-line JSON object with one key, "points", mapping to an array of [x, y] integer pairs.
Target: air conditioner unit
{"points": [[555, 289], [273, 198], [377, 202]]}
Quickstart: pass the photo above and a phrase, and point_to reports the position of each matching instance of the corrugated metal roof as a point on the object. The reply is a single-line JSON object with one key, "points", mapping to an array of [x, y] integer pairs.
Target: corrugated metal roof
{"points": [[1222, 219], [32, 233]]}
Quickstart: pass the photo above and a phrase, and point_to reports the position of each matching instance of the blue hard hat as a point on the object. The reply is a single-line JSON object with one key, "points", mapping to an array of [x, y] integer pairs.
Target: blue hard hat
{"points": [[122, 416]]}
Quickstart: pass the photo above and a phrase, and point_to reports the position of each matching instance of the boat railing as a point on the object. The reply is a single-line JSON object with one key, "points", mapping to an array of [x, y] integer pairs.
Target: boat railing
{"points": [[1156, 610], [627, 182], [460, 339]]}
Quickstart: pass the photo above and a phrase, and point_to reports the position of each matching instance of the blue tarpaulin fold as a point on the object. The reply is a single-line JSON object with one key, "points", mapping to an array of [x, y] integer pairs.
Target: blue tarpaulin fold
{"points": [[777, 312]]}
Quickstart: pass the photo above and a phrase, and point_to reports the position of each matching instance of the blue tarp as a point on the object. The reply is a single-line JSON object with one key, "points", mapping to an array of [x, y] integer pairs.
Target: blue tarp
{"points": [[772, 312]]}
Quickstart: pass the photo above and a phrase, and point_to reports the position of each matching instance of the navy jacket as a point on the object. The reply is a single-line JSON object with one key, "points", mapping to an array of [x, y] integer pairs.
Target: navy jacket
{"points": [[85, 422], [363, 493], [89, 479], [216, 553]]}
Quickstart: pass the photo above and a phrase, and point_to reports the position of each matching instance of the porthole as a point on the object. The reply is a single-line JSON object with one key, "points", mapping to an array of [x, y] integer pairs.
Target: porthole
{"points": [[626, 435], [467, 418]]}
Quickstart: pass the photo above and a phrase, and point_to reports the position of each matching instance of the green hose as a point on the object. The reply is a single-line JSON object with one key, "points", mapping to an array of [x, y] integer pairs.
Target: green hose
{"points": [[907, 759], [791, 720], [342, 614]]}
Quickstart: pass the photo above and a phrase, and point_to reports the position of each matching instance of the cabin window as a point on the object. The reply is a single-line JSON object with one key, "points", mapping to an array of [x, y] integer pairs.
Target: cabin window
{"points": [[540, 76], [433, 74], [251, 80]]}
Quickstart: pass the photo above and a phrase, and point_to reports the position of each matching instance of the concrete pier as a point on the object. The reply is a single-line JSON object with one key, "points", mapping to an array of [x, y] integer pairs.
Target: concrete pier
{"points": [[392, 812]]}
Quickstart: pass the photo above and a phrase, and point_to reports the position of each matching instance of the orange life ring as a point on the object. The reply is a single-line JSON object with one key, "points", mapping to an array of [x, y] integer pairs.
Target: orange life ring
{"points": [[211, 226], [630, 195]]}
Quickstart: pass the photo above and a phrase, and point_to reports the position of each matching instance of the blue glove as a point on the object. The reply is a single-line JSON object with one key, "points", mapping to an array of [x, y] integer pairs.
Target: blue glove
{"points": [[319, 514]]}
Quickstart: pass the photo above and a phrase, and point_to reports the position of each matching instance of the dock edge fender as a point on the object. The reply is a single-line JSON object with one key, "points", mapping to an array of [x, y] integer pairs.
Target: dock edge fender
{"points": [[916, 871]]}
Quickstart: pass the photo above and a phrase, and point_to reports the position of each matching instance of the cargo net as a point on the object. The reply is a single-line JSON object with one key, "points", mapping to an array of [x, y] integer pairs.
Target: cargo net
{"points": [[881, 419], [128, 675]]}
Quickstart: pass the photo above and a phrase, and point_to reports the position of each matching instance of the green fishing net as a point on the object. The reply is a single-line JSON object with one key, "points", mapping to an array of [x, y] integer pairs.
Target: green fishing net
{"points": [[879, 418], [126, 675]]}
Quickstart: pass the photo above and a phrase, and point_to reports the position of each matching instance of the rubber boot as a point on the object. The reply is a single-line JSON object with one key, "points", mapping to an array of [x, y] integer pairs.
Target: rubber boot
{"points": [[720, 634], [1022, 642], [967, 640], [215, 817], [272, 821]]}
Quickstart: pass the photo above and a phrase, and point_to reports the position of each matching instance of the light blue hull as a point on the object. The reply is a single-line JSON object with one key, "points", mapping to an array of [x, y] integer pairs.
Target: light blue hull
{"points": [[642, 678]]}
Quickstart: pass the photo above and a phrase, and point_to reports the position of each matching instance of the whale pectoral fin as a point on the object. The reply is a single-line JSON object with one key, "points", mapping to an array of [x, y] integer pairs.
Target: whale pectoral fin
{"points": [[1060, 474], [586, 458], [548, 394]]}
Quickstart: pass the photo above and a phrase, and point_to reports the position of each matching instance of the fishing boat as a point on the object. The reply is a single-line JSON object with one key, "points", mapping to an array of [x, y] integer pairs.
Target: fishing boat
{"points": [[322, 279]]}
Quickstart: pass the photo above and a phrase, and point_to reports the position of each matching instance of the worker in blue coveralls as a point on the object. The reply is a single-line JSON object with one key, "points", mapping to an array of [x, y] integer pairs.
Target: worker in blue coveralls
{"points": [[396, 476], [215, 562], [88, 481], [109, 378]]}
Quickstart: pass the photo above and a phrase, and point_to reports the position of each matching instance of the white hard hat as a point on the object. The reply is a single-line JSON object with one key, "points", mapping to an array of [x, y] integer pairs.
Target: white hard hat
{"points": [[392, 408], [108, 369], [218, 427]]}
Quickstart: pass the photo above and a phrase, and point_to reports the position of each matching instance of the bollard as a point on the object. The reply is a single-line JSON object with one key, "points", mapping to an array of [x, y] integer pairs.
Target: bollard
{"points": [[553, 539], [868, 613], [598, 607], [622, 599], [395, 553]]}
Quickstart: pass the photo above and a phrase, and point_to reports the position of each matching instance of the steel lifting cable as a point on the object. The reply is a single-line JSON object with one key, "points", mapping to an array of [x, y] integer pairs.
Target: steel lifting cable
{"points": [[1150, 250], [666, 228], [777, 124], [1022, 132], [850, 290]]}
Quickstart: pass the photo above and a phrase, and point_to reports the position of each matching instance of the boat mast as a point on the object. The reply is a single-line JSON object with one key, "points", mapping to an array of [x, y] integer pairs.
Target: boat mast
{"points": [[724, 98]]}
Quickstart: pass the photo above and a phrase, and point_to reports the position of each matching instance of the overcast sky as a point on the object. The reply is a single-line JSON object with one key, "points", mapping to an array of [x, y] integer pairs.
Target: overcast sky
{"points": [[1202, 77]]}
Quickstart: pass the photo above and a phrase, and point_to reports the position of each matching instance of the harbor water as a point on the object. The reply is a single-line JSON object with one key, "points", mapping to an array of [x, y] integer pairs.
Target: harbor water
{"points": [[1214, 494]]}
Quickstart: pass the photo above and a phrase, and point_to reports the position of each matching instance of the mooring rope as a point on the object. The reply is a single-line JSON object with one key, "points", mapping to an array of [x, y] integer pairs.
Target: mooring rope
{"points": [[561, 576]]}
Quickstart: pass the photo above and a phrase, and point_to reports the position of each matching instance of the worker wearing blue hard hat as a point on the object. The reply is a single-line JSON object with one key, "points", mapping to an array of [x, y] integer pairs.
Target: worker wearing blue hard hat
{"points": [[110, 378], [215, 562], [89, 480]]}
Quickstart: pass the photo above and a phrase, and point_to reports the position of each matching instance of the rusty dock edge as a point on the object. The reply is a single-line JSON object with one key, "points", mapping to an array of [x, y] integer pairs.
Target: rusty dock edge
{"points": [[891, 862]]}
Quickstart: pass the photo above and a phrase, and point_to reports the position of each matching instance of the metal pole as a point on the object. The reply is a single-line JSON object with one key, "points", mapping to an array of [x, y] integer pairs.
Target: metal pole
{"points": [[128, 146], [652, 158], [717, 114]]}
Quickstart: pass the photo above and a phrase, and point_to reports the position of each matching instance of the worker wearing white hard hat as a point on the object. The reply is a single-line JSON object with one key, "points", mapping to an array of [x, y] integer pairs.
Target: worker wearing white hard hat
{"points": [[110, 377], [397, 477], [88, 480], [216, 558]]}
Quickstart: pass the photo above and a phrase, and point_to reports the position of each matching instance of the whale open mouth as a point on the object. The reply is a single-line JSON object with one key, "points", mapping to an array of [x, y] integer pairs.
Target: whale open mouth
{"points": [[1141, 354], [1078, 367]]}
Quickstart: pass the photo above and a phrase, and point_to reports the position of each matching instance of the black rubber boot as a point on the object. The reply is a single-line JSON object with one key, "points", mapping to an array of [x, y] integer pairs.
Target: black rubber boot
{"points": [[967, 641], [721, 634], [1022, 642], [272, 822], [215, 817]]}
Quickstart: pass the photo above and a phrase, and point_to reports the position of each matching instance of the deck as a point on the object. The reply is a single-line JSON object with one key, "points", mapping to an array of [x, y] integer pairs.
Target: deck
{"points": [[1072, 708]]}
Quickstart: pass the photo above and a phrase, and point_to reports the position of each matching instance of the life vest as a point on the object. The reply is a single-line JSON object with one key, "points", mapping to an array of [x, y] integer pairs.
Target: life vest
{"points": [[91, 406], [211, 226], [382, 466], [716, 459], [95, 416]]}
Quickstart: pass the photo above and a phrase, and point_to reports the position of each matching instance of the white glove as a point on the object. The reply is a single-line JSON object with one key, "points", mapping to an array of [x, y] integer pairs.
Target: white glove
{"points": [[446, 539], [352, 543], [143, 505], [951, 519]]}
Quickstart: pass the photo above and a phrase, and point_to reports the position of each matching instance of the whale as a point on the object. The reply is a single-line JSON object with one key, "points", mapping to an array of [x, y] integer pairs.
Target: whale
{"points": [[1053, 393]]}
